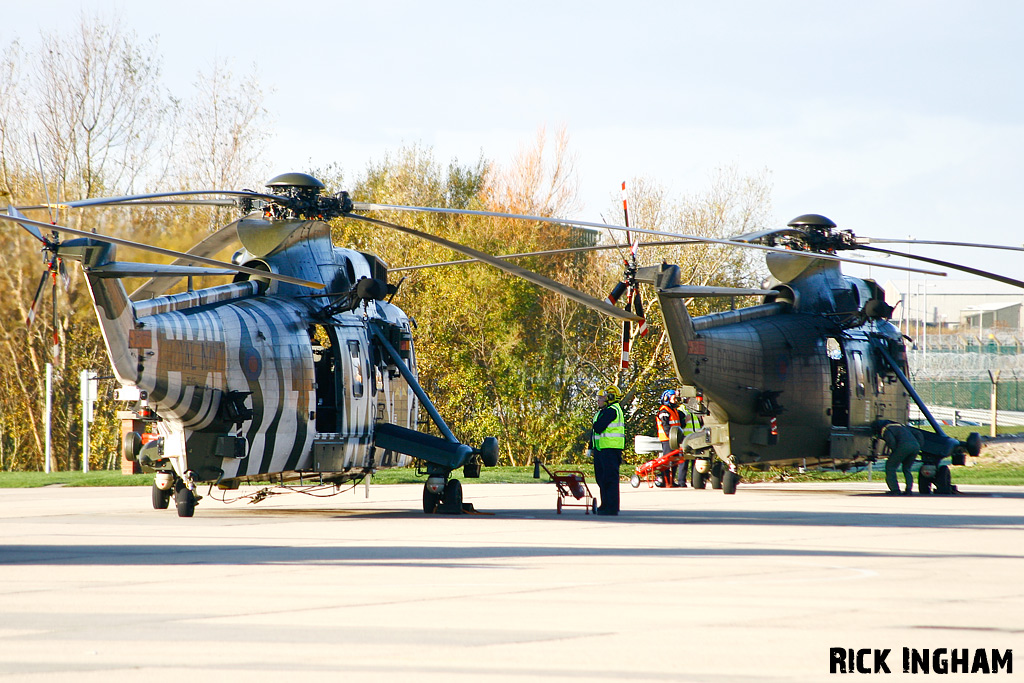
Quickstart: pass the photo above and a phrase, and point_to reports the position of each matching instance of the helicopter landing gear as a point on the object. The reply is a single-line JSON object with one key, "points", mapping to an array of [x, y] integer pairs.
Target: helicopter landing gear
{"points": [[161, 498], [163, 486], [716, 474], [729, 481], [185, 501], [447, 500], [185, 498], [942, 480]]}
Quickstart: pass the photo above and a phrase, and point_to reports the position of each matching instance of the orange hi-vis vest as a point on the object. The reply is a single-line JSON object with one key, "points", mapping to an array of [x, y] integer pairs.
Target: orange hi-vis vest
{"points": [[673, 421]]}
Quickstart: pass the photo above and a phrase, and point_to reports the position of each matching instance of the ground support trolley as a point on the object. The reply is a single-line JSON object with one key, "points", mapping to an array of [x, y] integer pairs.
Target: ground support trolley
{"points": [[572, 486], [649, 470]]}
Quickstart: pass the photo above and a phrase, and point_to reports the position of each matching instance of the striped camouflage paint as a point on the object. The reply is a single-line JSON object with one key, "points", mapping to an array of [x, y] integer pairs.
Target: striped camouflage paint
{"points": [[190, 351]]}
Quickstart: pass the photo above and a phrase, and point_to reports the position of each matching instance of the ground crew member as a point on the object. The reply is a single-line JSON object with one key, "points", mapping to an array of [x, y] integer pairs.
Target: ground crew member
{"points": [[666, 419], [607, 443], [670, 415], [902, 444]]}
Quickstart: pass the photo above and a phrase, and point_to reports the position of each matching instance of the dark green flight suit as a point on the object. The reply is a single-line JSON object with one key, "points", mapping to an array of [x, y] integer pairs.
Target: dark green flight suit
{"points": [[903, 445]]}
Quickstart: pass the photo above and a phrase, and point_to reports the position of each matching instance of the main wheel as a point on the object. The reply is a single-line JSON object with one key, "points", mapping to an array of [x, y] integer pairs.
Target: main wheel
{"points": [[729, 482], [185, 501], [451, 499], [716, 475], [431, 500], [924, 484], [161, 498], [634, 481]]}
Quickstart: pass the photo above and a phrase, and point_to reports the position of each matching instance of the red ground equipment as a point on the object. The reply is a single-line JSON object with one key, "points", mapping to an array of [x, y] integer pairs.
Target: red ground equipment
{"points": [[664, 466], [572, 485]]}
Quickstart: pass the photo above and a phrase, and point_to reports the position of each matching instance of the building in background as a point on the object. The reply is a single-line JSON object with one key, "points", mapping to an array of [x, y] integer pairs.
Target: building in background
{"points": [[969, 308]]}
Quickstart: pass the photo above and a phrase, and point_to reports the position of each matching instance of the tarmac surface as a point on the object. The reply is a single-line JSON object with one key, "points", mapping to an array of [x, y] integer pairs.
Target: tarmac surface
{"points": [[684, 585]]}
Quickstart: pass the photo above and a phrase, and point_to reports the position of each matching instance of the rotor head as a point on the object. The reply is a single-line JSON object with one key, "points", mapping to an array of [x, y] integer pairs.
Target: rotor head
{"points": [[296, 181], [812, 221]]}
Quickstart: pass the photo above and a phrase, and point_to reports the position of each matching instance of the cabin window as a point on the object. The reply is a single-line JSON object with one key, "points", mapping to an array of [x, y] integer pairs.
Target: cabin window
{"points": [[859, 375], [357, 368], [835, 352]]}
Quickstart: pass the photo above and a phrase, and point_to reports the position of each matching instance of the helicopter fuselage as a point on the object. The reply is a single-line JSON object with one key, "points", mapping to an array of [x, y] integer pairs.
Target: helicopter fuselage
{"points": [[259, 377], [796, 380]]}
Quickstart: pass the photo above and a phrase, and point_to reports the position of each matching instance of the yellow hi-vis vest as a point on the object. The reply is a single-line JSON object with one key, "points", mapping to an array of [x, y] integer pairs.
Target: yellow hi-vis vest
{"points": [[614, 436]]}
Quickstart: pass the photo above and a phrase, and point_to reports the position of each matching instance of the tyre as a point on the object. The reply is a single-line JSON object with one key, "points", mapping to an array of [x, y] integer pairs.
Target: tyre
{"points": [[716, 475], [431, 500], [558, 505], [451, 499], [185, 501], [634, 481], [161, 498], [924, 484], [489, 451], [729, 482], [943, 481], [698, 479]]}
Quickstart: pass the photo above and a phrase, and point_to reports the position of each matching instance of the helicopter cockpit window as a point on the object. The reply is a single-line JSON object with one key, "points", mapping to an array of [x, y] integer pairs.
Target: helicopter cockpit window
{"points": [[357, 368], [859, 374]]}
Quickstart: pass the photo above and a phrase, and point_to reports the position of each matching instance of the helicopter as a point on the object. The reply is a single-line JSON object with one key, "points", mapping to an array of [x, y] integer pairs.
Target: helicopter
{"points": [[299, 370], [800, 378]]}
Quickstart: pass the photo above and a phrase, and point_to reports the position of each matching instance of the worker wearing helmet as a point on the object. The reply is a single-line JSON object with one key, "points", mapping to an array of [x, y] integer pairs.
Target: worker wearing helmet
{"points": [[607, 442], [667, 419]]}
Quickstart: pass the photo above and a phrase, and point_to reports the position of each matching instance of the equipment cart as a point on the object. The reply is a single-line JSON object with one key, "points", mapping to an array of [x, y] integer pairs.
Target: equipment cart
{"points": [[572, 484], [651, 469]]}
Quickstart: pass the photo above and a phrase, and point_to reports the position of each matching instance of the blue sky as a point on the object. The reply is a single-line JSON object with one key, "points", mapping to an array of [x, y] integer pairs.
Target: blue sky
{"points": [[895, 119]]}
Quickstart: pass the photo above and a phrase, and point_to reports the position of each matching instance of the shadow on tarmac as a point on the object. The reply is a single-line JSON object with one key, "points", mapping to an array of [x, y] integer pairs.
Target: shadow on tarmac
{"points": [[413, 556]]}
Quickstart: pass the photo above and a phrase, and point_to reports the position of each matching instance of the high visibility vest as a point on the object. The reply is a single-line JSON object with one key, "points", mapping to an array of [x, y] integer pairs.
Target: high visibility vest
{"points": [[673, 421], [680, 418], [614, 436]]}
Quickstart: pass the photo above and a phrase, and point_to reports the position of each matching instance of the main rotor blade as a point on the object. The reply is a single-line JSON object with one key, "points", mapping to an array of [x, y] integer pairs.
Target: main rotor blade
{"points": [[170, 252], [567, 250], [30, 318], [136, 198], [510, 268], [363, 206], [13, 212], [154, 270], [760, 234], [208, 246], [947, 264], [877, 240]]}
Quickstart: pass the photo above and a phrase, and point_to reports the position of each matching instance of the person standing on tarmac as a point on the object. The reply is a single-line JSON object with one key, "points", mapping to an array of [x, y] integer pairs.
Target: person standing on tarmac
{"points": [[607, 443], [902, 444], [667, 418]]}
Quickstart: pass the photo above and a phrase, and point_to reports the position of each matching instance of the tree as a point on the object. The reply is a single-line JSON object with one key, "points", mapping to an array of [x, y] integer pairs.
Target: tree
{"points": [[91, 108], [733, 204], [99, 105]]}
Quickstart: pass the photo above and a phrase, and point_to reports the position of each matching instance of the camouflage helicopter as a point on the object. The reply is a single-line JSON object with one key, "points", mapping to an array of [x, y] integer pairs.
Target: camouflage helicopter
{"points": [[299, 370], [800, 378]]}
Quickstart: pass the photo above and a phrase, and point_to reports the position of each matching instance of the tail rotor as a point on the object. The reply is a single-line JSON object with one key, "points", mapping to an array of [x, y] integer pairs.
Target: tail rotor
{"points": [[54, 270], [629, 289]]}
